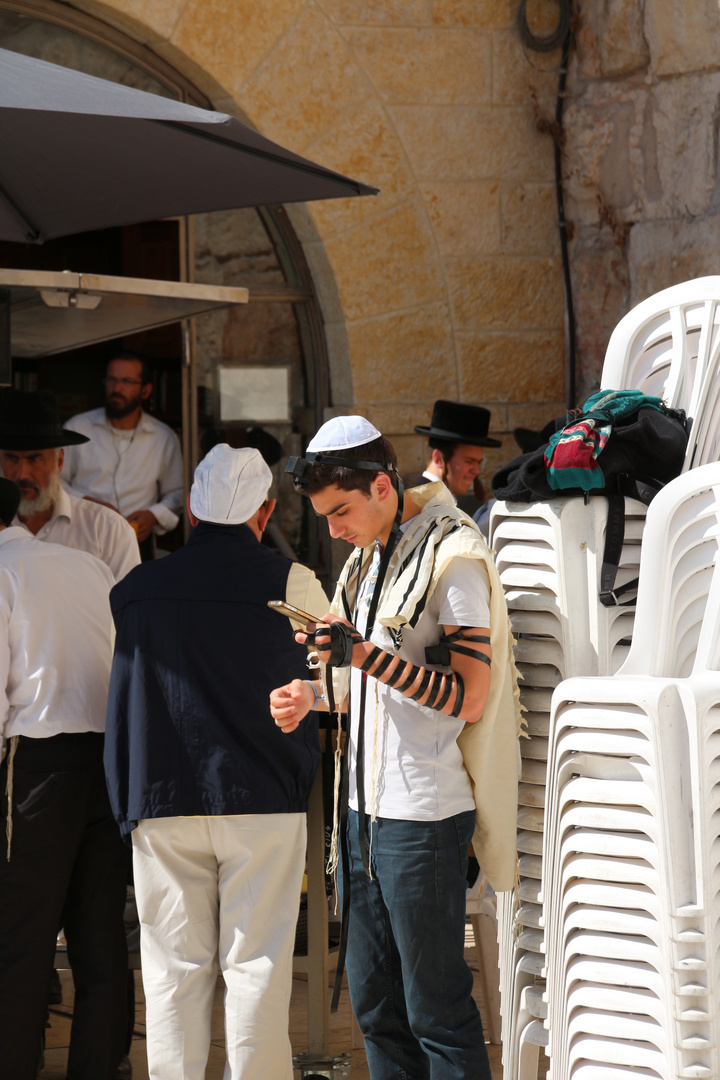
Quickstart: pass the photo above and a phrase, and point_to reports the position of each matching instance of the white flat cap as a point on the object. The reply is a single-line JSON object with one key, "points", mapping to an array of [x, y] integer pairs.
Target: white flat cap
{"points": [[342, 433], [229, 485]]}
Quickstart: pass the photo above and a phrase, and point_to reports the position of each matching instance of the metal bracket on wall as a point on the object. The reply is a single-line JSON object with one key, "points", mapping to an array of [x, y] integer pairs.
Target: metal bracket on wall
{"points": [[5, 356]]}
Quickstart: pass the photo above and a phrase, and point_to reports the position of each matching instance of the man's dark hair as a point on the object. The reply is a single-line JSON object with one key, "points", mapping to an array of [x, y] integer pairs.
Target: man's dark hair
{"points": [[317, 477], [146, 373], [445, 447]]}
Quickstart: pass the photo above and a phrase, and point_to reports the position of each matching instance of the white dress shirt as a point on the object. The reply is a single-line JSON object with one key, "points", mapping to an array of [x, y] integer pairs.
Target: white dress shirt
{"points": [[137, 469], [55, 638], [87, 526]]}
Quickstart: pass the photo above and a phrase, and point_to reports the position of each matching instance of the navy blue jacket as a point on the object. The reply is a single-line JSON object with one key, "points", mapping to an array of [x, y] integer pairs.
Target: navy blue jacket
{"points": [[189, 730]]}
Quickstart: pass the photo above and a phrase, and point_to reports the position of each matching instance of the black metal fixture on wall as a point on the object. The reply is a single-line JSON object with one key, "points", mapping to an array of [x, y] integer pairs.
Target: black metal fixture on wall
{"points": [[561, 37]]}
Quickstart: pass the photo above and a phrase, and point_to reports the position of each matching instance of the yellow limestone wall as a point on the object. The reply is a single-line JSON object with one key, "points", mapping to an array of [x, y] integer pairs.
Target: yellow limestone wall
{"points": [[448, 283]]}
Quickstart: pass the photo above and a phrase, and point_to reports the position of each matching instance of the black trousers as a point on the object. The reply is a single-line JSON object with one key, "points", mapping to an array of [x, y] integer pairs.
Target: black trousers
{"points": [[68, 867]]}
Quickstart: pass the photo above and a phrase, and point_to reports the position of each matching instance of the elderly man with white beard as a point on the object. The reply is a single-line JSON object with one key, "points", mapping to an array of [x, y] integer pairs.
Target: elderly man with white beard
{"points": [[31, 455]]}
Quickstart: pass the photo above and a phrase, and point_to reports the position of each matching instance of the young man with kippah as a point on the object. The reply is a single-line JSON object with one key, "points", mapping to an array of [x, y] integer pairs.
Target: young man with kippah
{"points": [[419, 625]]}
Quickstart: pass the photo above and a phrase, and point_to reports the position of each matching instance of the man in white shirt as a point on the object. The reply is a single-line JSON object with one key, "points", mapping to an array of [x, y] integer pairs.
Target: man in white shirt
{"points": [[31, 455], [64, 862], [133, 462]]}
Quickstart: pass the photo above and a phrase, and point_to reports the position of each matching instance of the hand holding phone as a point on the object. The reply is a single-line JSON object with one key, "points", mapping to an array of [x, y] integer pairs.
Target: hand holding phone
{"points": [[294, 613]]}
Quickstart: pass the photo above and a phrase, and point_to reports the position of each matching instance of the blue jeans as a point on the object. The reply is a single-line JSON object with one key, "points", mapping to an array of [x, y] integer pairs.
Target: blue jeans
{"points": [[410, 987]]}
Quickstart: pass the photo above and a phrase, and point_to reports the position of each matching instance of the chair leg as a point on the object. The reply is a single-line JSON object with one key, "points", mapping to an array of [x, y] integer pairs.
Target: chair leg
{"points": [[485, 934], [531, 1038]]}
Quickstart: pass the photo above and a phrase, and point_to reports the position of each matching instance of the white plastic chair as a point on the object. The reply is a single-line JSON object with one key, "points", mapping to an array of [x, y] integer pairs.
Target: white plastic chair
{"points": [[549, 557], [656, 725], [481, 906], [669, 346]]}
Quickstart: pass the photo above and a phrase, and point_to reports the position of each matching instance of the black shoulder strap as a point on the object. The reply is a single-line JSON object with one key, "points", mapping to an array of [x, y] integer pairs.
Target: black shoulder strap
{"points": [[608, 595], [359, 762]]}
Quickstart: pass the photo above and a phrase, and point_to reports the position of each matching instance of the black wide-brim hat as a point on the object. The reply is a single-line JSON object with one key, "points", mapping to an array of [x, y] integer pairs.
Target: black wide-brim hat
{"points": [[29, 420], [9, 500], [456, 422]]}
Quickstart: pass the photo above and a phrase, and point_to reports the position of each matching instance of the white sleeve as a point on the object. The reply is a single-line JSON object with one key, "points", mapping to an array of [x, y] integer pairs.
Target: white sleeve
{"points": [[463, 594], [4, 670], [170, 482], [120, 550]]}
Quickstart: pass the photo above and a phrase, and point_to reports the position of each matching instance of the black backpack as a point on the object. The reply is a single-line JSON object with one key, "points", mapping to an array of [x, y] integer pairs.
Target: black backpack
{"points": [[644, 450]]}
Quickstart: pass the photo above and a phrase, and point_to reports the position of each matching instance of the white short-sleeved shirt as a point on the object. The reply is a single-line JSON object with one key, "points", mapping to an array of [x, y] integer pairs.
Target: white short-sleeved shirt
{"points": [[88, 526], [413, 765], [55, 638]]}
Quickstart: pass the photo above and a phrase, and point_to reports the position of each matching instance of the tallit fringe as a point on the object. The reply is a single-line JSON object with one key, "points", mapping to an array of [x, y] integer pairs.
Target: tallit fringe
{"points": [[521, 722], [516, 921], [375, 766], [333, 858], [12, 748]]}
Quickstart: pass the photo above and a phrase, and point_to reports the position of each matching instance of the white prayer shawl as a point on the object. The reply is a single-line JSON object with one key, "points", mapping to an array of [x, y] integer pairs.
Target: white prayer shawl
{"points": [[439, 533]]}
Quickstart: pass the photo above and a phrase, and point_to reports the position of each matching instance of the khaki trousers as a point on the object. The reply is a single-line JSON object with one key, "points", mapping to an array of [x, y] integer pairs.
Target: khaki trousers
{"points": [[218, 891]]}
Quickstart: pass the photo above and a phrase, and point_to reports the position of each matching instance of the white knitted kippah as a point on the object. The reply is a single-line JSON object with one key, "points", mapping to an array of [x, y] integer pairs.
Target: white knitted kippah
{"points": [[229, 485], [342, 433]]}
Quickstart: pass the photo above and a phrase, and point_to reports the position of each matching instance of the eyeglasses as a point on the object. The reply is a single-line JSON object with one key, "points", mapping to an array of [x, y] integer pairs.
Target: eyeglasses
{"points": [[121, 382]]}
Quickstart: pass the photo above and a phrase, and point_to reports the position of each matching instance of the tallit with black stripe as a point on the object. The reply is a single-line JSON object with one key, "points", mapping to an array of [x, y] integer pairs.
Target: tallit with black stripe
{"points": [[439, 533]]}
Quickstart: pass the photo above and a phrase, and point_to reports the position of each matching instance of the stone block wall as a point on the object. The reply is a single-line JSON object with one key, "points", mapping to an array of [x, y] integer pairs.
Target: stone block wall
{"points": [[447, 284], [640, 158]]}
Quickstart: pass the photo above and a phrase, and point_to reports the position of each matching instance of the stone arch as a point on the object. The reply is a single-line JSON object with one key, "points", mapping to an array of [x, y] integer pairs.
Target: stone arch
{"points": [[447, 283]]}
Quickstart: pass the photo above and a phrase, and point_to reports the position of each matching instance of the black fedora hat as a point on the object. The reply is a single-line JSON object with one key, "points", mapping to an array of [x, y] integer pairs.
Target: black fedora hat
{"points": [[9, 500], [529, 440], [29, 420], [456, 422]]}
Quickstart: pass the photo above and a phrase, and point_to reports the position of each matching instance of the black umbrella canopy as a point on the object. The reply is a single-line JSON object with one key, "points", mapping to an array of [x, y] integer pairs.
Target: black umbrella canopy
{"points": [[80, 153]]}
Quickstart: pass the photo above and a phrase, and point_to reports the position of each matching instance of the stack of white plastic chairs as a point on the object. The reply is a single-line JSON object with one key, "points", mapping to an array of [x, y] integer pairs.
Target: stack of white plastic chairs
{"points": [[549, 555], [631, 860]]}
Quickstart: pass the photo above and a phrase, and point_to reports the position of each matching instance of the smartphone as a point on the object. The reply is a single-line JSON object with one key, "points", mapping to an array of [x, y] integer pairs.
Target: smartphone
{"points": [[293, 613]]}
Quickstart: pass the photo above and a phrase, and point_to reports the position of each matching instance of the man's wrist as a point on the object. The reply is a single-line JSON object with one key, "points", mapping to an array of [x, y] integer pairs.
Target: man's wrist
{"points": [[361, 652], [316, 687]]}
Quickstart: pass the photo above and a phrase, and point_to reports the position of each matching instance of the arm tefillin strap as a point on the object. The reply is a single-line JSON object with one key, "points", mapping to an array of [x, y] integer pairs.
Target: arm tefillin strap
{"points": [[436, 684], [440, 653], [340, 639]]}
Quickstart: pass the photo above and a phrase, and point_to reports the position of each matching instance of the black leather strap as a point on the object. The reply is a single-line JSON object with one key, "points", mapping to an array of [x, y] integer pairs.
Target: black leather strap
{"points": [[384, 663], [359, 769], [372, 658], [424, 684], [460, 696], [407, 682], [339, 639], [445, 696], [614, 537]]}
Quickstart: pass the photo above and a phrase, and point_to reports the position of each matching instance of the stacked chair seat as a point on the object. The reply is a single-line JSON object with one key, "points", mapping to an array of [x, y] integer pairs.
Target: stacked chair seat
{"points": [[631, 857], [549, 556]]}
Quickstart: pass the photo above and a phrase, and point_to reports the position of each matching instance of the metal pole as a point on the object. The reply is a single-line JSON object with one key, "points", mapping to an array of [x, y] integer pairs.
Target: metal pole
{"points": [[5, 354], [189, 411]]}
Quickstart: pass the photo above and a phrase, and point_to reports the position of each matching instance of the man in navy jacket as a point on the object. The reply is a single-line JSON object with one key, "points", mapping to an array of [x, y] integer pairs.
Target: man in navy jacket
{"points": [[210, 791]]}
